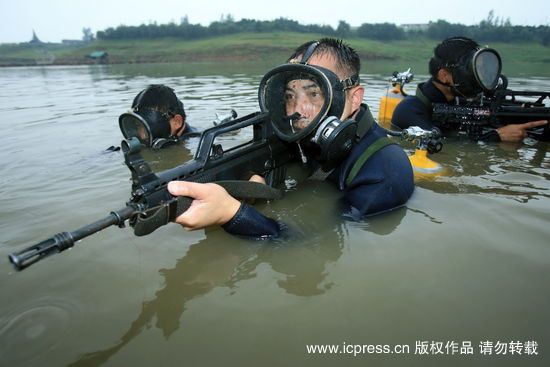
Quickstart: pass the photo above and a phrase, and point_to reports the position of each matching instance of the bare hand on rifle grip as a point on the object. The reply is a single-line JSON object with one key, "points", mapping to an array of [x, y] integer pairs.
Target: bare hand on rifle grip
{"points": [[212, 205], [517, 132]]}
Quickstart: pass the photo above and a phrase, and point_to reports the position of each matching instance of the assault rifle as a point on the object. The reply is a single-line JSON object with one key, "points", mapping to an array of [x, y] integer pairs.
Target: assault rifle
{"points": [[152, 206], [489, 112]]}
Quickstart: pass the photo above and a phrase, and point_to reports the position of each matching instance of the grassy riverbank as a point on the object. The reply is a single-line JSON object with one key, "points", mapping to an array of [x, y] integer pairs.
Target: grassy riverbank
{"points": [[263, 47]]}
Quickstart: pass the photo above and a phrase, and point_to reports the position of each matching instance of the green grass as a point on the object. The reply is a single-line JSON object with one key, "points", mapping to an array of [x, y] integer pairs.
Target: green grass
{"points": [[263, 47]]}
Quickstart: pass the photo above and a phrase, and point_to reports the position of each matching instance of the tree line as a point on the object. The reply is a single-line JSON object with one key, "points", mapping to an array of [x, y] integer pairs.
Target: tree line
{"points": [[491, 29]]}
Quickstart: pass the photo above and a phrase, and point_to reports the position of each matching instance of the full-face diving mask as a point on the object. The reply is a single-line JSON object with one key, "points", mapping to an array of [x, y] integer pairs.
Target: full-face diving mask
{"points": [[477, 71], [151, 127], [305, 104]]}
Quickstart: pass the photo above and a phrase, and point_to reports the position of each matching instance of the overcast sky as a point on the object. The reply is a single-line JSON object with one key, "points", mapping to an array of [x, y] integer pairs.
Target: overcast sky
{"points": [[54, 20]]}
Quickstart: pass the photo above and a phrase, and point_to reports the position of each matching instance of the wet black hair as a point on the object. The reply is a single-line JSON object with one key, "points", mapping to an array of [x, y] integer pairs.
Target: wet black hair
{"points": [[160, 98], [347, 59], [448, 52]]}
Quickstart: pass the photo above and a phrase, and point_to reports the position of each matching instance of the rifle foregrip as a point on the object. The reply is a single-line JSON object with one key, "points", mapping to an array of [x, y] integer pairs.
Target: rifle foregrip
{"points": [[182, 204], [148, 221], [154, 218]]}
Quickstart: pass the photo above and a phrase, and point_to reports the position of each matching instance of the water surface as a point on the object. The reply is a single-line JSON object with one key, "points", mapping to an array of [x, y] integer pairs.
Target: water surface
{"points": [[468, 259]]}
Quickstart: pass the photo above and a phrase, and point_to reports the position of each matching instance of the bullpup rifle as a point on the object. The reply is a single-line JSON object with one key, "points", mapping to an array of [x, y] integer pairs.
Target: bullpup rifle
{"points": [[489, 112], [151, 205]]}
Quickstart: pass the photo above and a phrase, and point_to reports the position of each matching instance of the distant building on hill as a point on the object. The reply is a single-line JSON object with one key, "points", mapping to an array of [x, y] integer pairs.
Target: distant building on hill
{"points": [[72, 42], [35, 40], [42, 55], [99, 57], [415, 27]]}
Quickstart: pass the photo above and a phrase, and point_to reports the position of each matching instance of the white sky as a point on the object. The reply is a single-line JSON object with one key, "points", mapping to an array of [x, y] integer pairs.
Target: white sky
{"points": [[54, 20]]}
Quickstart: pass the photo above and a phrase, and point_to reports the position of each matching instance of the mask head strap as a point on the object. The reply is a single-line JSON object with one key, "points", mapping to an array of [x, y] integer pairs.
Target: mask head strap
{"points": [[350, 82], [309, 52], [137, 101]]}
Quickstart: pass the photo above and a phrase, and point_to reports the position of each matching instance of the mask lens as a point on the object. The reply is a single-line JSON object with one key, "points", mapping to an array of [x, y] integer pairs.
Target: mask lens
{"points": [[133, 125], [303, 100], [297, 97], [487, 66]]}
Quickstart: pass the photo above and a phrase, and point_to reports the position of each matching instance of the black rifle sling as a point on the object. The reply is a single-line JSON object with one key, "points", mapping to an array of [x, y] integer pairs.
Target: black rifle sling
{"points": [[364, 157], [422, 97], [156, 217]]}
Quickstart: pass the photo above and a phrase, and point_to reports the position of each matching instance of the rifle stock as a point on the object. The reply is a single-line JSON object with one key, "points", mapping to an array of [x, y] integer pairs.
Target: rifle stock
{"points": [[152, 206]]}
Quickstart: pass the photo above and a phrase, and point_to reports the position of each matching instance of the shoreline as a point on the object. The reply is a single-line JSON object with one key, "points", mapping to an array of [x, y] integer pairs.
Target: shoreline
{"points": [[522, 59]]}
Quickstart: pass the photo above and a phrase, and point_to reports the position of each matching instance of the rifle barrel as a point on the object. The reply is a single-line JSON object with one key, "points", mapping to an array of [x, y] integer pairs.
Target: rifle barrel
{"points": [[64, 240]]}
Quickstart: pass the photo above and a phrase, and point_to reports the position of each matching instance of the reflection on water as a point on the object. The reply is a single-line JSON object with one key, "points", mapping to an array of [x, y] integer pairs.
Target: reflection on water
{"points": [[517, 172], [214, 262], [467, 259]]}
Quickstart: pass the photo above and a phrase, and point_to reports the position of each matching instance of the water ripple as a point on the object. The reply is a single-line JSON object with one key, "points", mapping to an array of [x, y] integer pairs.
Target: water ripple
{"points": [[41, 325]]}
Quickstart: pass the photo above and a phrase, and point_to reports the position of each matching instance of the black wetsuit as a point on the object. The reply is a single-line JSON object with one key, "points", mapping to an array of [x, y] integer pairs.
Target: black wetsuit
{"points": [[189, 131], [382, 183]]}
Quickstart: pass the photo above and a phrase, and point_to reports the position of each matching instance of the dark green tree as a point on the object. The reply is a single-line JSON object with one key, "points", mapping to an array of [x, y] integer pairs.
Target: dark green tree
{"points": [[343, 30]]}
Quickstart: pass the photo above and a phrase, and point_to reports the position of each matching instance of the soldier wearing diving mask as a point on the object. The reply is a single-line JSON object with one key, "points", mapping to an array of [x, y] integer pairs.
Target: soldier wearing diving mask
{"points": [[316, 102], [459, 68], [157, 118]]}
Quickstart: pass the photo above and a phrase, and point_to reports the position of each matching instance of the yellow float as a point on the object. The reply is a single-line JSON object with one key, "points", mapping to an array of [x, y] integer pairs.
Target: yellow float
{"points": [[427, 141]]}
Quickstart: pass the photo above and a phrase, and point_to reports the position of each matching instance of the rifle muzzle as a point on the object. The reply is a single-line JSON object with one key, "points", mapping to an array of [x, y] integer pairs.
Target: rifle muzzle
{"points": [[30, 255]]}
